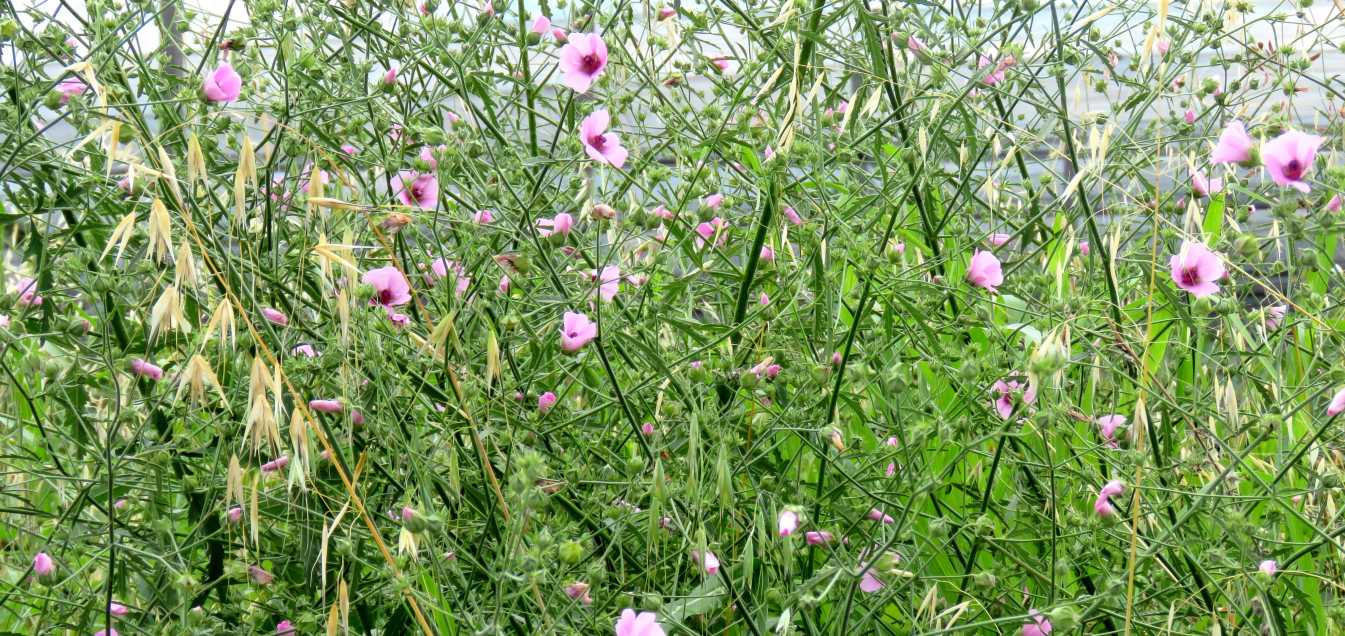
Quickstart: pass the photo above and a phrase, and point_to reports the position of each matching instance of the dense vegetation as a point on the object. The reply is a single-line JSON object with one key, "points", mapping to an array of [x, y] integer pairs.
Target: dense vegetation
{"points": [[789, 317]]}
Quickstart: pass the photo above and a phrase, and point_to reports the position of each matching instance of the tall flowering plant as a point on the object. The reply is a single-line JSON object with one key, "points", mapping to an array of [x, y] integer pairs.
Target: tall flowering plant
{"points": [[645, 319]]}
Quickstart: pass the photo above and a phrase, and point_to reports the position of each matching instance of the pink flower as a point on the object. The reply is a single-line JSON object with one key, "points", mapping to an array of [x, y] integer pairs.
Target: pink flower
{"points": [[788, 522], [997, 75], [609, 282], [276, 465], [1334, 204], [427, 155], [275, 316], [390, 77], [1107, 425], [545, 401], [1234, 145], [559, 224], [488, 9], [1275, 316], [711, 564], [111, 631], [1102, 506], [878, 515], [350, 149], [1036, 625], [870, 583], [1268, 567], [1163, 46], [43, 565], [483, 217], [579, 592], [793, 216], [582, 60], [710, 229], [666, 12], [576, 331], [817, 537], [305, 350], [998, 240], [390, 287], [357, 418], [503, 287], [1288, 158], [541, 24], [26, 288], [985, 271], [70, 88], [441, 268], [559, 34], [1337, 404], [1203, 186], [767, 254], [1004, 402], [146, 370], [713, 201], [416, 189], [285, 628], [235, 514], [1084, 248], [1189, 116], [601, 146], [398, 319], [915, 44], [647, 429], [260, 576], [326, 406], [223, 84], [643, 624], [117, 609], [1195, 268]]}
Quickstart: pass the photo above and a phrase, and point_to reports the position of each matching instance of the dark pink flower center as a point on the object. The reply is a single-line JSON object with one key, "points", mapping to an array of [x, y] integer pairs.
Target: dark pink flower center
{"points": [[597, 141], [385, 296], [1293, 170], [590, 64], [1190, 275], [572, 333]]}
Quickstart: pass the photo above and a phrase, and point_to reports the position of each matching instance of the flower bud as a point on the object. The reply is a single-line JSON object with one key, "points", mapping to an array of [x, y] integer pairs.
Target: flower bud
{"points": [[836, 438], [571, 552], [44, 568], [1052, 354], [748, 380], [1064, 619], [413, 521]]}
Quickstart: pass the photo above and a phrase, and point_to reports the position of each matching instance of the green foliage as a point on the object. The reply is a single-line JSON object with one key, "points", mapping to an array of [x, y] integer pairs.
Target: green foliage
{"points": [[307, 355]]}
